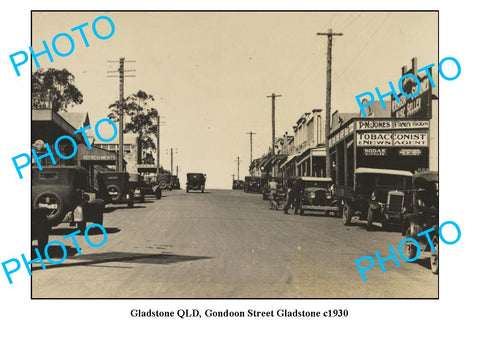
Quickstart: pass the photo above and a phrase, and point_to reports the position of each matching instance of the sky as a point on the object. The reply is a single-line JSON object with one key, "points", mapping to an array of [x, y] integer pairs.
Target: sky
{"points": [[211, 72]]}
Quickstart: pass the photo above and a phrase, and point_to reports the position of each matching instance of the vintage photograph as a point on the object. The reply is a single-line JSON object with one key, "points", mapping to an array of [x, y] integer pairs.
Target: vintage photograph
{"points": [[234, 154]]}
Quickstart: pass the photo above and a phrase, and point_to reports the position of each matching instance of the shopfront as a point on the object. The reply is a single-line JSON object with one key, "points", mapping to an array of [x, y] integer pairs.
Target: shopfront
{"points": [[385, 143]]}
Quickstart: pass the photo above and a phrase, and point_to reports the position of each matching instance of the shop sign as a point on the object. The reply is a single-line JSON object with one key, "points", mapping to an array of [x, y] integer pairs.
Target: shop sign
{"points": [[374, 152], [418, 106], [374, 139], [410, 139], [410, 152], [98, 158], [392, 124]]}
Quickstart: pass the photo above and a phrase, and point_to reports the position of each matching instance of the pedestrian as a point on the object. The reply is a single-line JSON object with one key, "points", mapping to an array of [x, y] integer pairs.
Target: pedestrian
{"points": [[293, 196], [273, 186]]}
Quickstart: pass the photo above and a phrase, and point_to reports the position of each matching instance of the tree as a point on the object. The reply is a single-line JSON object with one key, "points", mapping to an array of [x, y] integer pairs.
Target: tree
{"points": [[141, 120], [54, 89]]}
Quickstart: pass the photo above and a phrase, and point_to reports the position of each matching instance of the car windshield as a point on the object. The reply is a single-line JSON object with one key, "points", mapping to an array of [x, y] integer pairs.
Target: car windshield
{"points": [[392, 181], [317, 184], [195, 176]]}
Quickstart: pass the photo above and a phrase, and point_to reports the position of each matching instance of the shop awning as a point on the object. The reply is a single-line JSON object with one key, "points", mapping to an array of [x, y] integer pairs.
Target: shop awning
{"points": [[313, 152], [289, 159]]}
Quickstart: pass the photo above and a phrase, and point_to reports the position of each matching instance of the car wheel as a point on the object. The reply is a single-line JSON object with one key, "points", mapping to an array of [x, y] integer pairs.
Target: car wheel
{"points": [[347, 214], [409, 250], [130, 203], [434, 256], [53, 202], [187, 190], [158, 194], [370, 218]]}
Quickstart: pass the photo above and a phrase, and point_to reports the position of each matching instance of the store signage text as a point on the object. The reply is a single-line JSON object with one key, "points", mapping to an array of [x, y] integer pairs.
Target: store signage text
{"points": [[392, 124], [392, 139], [375, 152], [362, 103]]}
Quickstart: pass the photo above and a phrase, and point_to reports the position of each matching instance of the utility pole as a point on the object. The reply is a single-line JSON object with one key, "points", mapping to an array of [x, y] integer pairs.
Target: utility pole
{"points": [[176, 172], [251, 142], [238, 168], [171, 160], [328, 106], [159, 123], [273, 96], [121, 71]]}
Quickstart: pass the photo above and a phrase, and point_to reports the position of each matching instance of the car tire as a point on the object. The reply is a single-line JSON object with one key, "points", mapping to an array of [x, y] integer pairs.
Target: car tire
{"points": [[158, 194], [130, 203], [347, 214], [409, 250], [57, 216], [434, 256]]}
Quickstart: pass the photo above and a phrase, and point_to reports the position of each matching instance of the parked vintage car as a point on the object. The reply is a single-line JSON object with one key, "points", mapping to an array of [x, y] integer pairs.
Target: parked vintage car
{"points": [[118, 187], [152, 187], [423, 217], [196, 181], [137, 186], [253, 184], [318, 195], [237, 184], [164, 181], [266, 189], [58, 191], [378, 195], [174, 182]]}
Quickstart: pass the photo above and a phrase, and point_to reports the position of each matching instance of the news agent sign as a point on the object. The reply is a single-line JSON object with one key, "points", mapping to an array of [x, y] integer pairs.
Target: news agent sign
{"points": [[80, 32]]}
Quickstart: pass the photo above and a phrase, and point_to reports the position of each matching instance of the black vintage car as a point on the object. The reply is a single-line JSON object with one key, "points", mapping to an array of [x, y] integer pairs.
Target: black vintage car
{"points": [[175, 182], [196, 181], [423, 217], [237, 184], [137, 186], [253, 184], [151, 186], [317, 195], [58, 191], [378, 195], [164, 181], [118, 187]]}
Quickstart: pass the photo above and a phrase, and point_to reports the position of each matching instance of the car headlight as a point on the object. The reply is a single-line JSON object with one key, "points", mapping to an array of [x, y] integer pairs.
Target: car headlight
{"points": [[328, 196], [373, 198], [312, 195], [78, 214]]}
